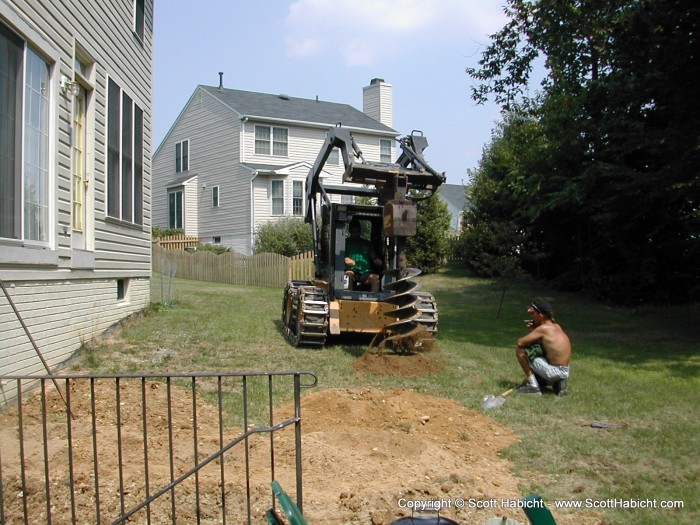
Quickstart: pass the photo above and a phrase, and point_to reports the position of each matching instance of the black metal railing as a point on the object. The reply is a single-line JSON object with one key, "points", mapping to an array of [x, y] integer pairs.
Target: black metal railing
{"points": [[157, 448]]}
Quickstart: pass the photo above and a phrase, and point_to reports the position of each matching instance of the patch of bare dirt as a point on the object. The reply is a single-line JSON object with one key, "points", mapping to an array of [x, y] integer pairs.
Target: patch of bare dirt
{"points": [[364, 451]]}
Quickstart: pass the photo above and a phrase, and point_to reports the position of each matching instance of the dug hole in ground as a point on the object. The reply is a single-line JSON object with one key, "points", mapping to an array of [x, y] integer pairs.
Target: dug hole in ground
{"points": [[363, 450]]}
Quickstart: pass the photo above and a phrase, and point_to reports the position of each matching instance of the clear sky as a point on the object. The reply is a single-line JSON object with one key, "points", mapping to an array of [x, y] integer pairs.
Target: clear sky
{"points": [[332, 49]]}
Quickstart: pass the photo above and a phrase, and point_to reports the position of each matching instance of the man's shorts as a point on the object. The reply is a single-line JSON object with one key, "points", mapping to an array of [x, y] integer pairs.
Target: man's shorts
{"points": [[543, 368]]}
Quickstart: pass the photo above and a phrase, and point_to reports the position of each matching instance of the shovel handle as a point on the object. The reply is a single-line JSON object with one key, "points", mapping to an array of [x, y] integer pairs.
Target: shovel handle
{"points": [[507, 392]]}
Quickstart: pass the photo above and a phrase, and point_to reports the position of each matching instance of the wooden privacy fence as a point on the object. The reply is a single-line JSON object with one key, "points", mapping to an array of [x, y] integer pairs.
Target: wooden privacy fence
{"points": [[177, 242], [454, 255], [264, 269]]}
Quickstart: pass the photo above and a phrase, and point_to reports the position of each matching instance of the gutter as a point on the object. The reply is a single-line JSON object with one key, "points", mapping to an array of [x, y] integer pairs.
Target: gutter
{"points": [[320, 125]]}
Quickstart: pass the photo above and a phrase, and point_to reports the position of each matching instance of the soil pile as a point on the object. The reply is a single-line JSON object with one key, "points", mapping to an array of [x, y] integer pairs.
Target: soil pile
{"points": [[366, 453]]}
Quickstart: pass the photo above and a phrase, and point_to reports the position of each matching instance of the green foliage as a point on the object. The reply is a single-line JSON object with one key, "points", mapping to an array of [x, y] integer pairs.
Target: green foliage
{"points": [[496, 240], [428, 250], [214, 248], [596, 177], [287, 237], [158, 233]]}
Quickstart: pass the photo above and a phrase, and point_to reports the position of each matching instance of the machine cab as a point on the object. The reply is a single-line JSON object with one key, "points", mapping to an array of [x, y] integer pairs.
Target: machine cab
{"points": [[335, 231]]}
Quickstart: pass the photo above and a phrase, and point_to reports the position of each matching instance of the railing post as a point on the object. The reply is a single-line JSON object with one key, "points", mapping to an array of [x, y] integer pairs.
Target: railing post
{"points": [[297, 438]]}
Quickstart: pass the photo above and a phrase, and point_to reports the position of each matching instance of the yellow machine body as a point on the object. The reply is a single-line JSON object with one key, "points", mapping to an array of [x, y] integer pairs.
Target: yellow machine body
{"points": [[367, 317]]}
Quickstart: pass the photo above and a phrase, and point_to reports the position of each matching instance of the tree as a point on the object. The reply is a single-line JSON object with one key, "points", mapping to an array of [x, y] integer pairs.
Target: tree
{"points": [[612, 174], [428, 249], [287, 237]]}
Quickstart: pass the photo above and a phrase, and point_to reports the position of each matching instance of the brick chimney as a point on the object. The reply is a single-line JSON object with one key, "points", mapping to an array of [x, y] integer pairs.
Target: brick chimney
{"points": [[377, 101]]}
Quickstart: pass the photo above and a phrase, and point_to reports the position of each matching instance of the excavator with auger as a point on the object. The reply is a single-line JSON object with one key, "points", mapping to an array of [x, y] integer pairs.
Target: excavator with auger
{"points": [[327, 304]]}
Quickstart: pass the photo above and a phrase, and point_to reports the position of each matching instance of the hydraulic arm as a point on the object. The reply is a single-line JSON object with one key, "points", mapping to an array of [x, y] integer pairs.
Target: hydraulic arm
{"points": [[387, 192]]}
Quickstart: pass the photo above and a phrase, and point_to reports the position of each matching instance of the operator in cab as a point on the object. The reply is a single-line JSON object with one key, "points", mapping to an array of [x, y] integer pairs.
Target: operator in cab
{"points": [[360, 258]]}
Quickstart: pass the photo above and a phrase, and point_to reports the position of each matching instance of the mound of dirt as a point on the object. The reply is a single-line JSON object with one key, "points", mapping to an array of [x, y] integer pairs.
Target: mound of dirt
{"points": [[365, 454], [405, 365], [379, 447]]}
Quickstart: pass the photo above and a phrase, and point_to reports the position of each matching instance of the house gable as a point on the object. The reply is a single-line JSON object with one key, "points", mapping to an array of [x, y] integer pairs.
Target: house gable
{"points": [[256, 149]]}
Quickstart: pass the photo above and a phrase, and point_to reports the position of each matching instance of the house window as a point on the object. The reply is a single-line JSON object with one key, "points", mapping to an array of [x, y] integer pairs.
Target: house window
{"points": [[82, 67], [24, 141], [298, 197], [79, 147], [334, 157], [217, 240], [182, 156], [279, 141], [215, 197], [139, 18], [124, 156], [384, 150], [262, 140], [122, 289], [270, 139], [175, 209], [277, 192]]}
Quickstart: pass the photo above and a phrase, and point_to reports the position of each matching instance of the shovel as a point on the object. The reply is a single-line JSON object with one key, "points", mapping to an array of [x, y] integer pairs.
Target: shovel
{"points": [[491, 401]]}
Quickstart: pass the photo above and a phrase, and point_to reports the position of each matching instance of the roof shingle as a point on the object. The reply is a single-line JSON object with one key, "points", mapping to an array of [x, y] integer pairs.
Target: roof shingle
{"points": [[251, 104]]}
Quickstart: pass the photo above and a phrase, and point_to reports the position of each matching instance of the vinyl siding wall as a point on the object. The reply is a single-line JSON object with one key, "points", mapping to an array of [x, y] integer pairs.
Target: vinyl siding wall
{"points": [[191, 206], [104, 32], [305, 144], [377, 102], [61, 317], [213, 132], [262, 191]]}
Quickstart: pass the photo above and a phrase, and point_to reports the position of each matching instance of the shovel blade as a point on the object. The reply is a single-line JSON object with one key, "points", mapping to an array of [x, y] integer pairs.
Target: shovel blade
{"points": [[490, 402]]}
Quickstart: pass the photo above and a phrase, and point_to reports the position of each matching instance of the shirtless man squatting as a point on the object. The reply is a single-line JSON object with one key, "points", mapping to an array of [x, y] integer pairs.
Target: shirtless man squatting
{"points": [[545, 353]]}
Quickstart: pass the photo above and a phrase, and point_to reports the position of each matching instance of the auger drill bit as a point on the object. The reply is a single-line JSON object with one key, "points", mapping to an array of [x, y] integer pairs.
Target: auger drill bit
{"points": [[405, 314]]}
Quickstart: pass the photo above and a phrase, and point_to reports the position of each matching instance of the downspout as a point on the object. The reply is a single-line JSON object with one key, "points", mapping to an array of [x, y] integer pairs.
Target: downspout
{"points": [[252, 211]]}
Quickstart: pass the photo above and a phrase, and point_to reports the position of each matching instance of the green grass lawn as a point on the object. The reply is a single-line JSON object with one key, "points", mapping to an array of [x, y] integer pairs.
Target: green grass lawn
{"points": [[635, 370]]}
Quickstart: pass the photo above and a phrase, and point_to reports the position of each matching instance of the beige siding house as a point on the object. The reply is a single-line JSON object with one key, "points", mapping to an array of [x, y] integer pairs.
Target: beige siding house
{"points": [[234, 160], [75, 171]]}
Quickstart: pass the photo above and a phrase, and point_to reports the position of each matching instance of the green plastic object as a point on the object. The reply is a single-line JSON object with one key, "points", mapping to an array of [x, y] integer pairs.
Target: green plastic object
{"points": [[272, 518], [537, 512], [292, 512]]}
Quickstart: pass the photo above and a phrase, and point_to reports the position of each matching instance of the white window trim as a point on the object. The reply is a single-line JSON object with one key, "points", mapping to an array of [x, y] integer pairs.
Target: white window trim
{"points": [[52, 56], [175, 191], [270, 141], [134, 28], [272, 198], [87, 81], [216, 204], [390, 159], [302, 198], [181, 143]]}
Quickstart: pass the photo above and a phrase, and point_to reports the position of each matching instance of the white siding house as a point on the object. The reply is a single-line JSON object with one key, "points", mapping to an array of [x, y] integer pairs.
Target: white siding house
{"points": [[75, 170], [240, 159]]}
